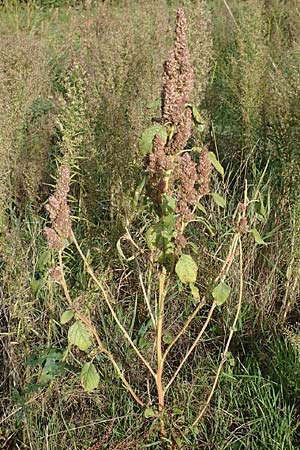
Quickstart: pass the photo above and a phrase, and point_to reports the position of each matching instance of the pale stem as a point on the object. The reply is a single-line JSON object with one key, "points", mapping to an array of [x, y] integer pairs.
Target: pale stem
{"points": [[212, 308], [146, 297], [113, 313], [93, 330], [224, 270], [191, 317], [232, 329], [159, 386]]}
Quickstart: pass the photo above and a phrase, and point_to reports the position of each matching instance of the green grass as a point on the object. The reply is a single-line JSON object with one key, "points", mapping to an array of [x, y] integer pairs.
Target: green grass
{"points": [[84, 101]]}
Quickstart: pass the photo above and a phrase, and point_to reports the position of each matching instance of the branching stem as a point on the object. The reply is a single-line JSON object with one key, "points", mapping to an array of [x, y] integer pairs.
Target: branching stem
{"points": [[224, 270], [94, 332], [232, 329], [113, 313]]}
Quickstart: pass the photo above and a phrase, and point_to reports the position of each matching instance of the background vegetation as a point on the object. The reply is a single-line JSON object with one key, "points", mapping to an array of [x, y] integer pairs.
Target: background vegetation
{"points": [[79, 81]]}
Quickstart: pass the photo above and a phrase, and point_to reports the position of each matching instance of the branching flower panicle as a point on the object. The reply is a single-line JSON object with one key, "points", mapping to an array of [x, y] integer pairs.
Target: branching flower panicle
{"points": [[171, 170], [178, 78], [159, 162], [187, 194], [59, 211]]}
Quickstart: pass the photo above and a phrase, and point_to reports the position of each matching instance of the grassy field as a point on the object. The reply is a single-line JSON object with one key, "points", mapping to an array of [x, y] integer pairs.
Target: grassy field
{"points": [[85, 85]]}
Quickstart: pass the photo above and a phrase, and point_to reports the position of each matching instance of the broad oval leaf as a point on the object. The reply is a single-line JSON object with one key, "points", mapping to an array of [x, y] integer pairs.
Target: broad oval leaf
{"points": [[186, 269], [148, 136], [79, 335], [220, 201], [149, 412], [221, 293], [89, 377], [66, 316], [217, 165]]}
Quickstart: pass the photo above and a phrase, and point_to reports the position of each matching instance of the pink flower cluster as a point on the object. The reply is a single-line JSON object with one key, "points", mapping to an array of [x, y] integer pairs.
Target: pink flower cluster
{"points": [[171, 170], [59, 212]]}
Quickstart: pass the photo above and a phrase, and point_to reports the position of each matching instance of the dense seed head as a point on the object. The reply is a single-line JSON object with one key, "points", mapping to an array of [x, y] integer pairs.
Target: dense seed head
{"points": [[159, 162], [55, 274], [178, 78], [59, 212], [171, 169]]}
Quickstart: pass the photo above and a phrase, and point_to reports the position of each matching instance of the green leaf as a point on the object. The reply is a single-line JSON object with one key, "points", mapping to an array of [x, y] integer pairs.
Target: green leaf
{"points": [[186, 269], [150, 237], [168, 223], [257, 236], [201, 207], [66, 316], [220, 201], [154, 104], [78, 335], [213, 159], [196, 115], [149, 412], [167, 339], [55, 354], [36, 285], [43, 260], [194, 291], [51, 370], [221, 293], [177, 411], [169, 204], [148, 136], [89, 377], [53, 366]]}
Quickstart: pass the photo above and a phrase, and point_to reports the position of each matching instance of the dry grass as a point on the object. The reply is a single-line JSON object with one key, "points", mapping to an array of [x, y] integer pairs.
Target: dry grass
{"points": [[75, 86]]}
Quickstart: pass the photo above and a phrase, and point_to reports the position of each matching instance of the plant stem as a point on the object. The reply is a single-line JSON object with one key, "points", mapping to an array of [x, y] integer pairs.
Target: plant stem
{"points": [[94, 332], [232, 329], [223, 272], [183, 329], [212, 308], [160, 361], [113, 313]]}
